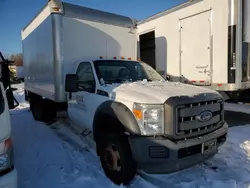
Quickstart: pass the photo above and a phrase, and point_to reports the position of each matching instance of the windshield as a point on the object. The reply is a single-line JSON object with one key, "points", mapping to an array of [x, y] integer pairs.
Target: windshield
{"points": [[118, 71]]}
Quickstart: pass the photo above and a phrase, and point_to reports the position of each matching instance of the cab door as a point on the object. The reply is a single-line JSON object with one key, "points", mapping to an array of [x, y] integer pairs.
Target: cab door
{"points": [[80, 108]]}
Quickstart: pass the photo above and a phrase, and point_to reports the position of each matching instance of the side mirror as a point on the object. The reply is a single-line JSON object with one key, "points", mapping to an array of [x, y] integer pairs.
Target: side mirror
{"points": [[71, 84], [12, 102]]}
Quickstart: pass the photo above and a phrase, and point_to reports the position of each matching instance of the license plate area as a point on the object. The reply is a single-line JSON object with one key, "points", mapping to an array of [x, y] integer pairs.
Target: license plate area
{"points": [[209, 146]]}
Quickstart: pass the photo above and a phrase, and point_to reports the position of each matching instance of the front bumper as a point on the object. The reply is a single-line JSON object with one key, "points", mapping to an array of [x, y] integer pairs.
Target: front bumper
{"points": [[161, 155], [9, 180]]}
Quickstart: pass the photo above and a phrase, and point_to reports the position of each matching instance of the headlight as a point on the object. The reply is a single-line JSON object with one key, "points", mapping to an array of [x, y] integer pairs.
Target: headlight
{"points": [[6, 159], [4, 162], [150, 118]]}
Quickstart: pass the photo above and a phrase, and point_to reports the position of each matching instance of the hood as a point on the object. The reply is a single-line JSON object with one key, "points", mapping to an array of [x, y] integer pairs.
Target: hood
{"points": [[156, 92]]}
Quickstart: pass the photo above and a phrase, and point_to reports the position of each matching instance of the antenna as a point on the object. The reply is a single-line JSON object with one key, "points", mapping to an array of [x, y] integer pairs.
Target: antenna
{"points": [[1, 55]]}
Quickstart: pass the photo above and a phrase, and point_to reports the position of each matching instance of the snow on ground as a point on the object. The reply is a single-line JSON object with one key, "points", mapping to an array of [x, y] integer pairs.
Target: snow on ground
{"points": [[237, 107], [55, 157]]}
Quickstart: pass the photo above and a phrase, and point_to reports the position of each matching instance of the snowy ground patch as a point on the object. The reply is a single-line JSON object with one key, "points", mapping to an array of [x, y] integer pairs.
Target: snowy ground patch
{"points": [[20, 97], [244, 108], [55, 157]]}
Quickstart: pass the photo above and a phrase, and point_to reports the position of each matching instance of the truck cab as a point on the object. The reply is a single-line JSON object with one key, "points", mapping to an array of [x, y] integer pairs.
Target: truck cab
{"points": [[139, 120]]}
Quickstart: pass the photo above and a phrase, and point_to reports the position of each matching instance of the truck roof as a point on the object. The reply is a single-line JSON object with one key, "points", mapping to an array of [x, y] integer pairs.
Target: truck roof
{"points": [[98, 15], [71, 10], [170, 10]]}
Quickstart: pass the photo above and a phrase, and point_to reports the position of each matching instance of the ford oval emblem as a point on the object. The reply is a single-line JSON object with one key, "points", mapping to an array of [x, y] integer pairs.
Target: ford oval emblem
{"points": [[204, 116]]}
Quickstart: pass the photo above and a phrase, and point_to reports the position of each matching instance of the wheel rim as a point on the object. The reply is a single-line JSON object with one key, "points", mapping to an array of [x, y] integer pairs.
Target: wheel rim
{"points": [[112, 158]]}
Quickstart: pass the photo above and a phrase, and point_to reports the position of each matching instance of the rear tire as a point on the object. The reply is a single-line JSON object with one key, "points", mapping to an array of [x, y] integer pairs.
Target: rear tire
{"points": [[37, 109], [42, 110], [116, 158]]}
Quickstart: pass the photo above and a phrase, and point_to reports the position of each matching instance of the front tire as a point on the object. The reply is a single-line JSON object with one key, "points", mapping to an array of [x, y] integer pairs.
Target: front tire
{"points": [[116, 158]]}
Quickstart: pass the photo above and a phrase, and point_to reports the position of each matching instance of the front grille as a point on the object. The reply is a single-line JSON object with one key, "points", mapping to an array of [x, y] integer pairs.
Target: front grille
{"points": [[187, 122]]}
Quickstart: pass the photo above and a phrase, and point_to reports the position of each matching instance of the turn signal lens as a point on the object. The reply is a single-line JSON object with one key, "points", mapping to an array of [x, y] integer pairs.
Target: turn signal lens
{"points": [[138, 114], [8, 144]]}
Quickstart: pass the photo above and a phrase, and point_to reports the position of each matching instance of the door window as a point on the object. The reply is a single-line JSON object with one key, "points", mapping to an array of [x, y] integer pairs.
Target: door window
{"points": [[86, 80]]}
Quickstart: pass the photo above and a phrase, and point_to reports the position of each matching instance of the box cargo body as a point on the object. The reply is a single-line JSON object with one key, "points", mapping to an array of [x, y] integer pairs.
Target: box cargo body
{"points": [[204, 42], [62, 35]]}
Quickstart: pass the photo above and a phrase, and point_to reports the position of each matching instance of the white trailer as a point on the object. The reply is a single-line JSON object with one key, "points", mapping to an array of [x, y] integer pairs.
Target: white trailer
{"points": [[201, 42]]}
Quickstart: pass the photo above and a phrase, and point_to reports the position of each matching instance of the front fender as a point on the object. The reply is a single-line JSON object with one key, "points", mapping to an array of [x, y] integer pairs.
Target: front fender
{"points": [[119, 111]]}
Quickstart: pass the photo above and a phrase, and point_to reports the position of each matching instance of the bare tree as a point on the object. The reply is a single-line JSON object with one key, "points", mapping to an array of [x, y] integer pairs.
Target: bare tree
{"points": [[17, 58]]}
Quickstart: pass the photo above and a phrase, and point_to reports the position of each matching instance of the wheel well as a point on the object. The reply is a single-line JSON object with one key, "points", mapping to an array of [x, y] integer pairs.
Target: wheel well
{"points": [[107, 124]]}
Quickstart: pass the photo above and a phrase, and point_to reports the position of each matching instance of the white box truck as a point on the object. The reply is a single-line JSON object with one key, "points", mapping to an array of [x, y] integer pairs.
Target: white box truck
{"points": [[84, 61], [201, 42]]}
